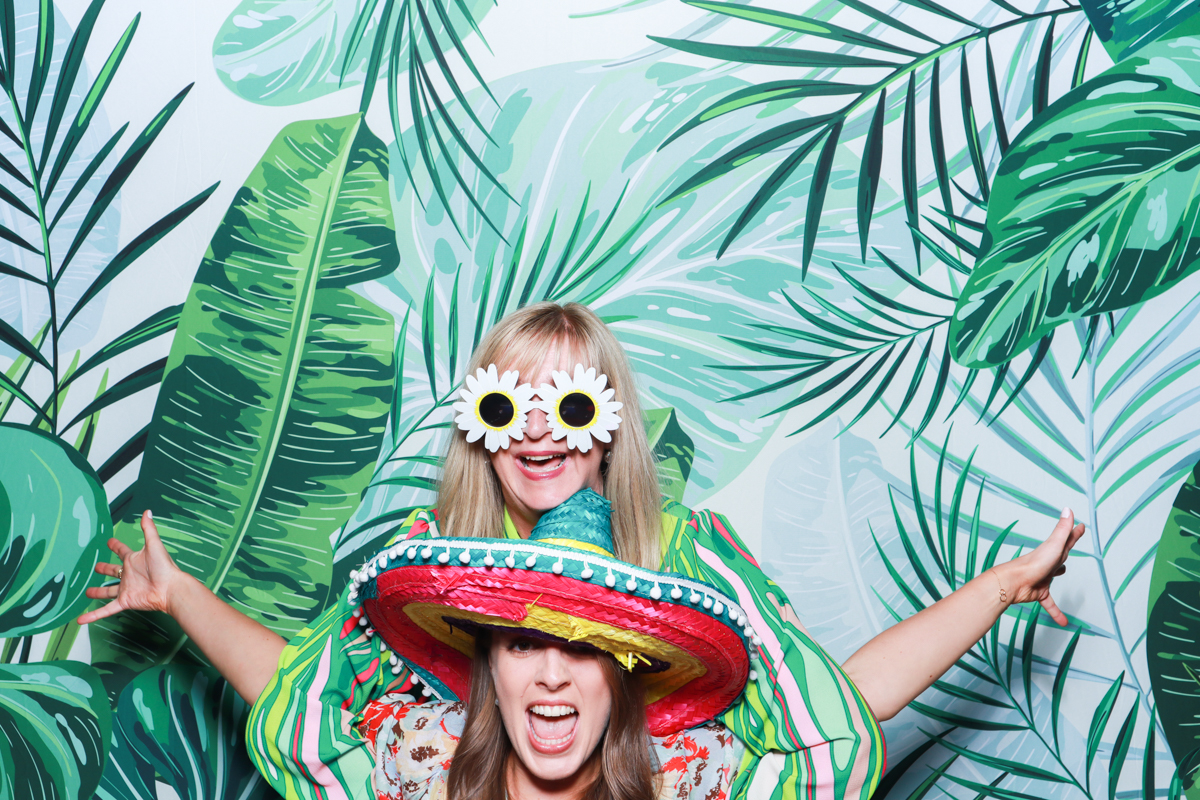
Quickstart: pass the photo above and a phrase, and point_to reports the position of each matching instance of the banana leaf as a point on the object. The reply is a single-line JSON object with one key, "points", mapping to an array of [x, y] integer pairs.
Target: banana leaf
{"points": [[1094, 206], [277, 389]]}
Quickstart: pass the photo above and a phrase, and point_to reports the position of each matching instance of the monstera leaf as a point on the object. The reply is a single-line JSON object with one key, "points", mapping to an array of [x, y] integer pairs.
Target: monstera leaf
{"points": [[1094, 207], [277, 389], [1126, 26], [187, 726], [53, 522], [55, 725], [1173, 628]]}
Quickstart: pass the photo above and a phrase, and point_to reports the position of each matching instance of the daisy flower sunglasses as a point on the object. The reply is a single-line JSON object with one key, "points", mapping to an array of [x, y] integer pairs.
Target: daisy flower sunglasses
{"points": [[579, 407]]}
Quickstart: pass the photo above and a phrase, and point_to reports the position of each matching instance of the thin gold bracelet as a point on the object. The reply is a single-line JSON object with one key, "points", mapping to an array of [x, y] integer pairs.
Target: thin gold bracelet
{"points": [[1003, 593]]}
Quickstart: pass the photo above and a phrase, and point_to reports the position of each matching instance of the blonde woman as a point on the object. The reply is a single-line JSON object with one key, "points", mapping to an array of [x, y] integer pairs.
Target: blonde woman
{"points": [[536, 426]]}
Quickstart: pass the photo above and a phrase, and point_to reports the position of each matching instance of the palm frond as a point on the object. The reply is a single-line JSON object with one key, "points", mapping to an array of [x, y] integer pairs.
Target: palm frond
{"points": [[831, 62]]}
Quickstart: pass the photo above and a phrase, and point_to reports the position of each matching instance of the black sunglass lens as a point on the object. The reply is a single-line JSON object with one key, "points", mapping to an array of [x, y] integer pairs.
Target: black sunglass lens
{"points": [[496, 410], [577, 410]]}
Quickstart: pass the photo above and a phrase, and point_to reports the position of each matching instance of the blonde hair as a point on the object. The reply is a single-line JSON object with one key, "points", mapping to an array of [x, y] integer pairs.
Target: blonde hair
{"points": [[469, 499]]}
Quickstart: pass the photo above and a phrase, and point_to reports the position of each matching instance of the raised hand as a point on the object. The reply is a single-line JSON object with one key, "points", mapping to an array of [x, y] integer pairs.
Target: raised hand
{"points": [[1027, 579], [148, 579]]}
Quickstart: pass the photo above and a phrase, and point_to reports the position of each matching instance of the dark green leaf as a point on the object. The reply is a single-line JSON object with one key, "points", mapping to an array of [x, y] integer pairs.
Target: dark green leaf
{"points": [[768, 189], [13, 338], [89, 107], [971, 723], [802, 25], [898, 770], [53, 526], [81, 182], [67, 73], [966, 694], [1126, 28], [157, 324], [55, 726], [773, 56], [124, 455], [752, 148], [1100, 719], [1116, 760], [1085, 48], [1074, 223], [1004, 765], [971, 129], [144, 378], [868, 178], [132, 251], [273, 353], [769, 92], [187, 727], [1041, 72], [992, 790], [1172, 632], [908, 164], [121, 172], [1060, 683]]}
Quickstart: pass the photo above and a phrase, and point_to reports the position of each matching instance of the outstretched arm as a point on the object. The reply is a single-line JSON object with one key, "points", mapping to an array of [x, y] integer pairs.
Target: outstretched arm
{"points": [[244, 651], [903, 661]]}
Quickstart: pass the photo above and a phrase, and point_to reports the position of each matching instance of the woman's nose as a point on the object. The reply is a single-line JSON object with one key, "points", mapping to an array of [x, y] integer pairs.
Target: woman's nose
{"points": [[554, 672], [535, 424]]}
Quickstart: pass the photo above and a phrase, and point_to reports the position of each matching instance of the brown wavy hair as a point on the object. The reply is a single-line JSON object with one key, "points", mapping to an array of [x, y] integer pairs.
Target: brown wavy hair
{"points": [[627, 770], [469, 499]]}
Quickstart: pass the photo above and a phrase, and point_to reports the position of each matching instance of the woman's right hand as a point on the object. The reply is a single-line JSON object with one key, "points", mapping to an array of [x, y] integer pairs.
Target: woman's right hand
{"points": [[148, 579]]}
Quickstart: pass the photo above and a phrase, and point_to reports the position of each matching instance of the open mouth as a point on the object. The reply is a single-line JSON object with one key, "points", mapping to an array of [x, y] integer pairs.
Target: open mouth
{"points": [[552, 727], [543, 463]]}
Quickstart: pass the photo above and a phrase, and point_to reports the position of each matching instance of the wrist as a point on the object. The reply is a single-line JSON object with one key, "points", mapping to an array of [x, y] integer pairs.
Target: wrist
{"points": [[182, 594]]}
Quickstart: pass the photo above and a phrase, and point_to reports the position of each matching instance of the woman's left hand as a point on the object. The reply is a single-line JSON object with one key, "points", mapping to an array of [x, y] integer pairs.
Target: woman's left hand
{"points": [[1027, 579]]}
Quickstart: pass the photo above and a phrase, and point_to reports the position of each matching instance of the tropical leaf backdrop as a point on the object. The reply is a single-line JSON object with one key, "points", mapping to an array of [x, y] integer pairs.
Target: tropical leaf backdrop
{"points": [[899, 278]]}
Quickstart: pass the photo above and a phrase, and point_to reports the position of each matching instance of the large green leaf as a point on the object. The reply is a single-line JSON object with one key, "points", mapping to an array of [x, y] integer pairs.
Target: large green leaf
{"points": [[188, 727], [1094, 207], [53, 523], [55, 725], [1173, 626], [277, 389], [1126, 26], [673, 449]]}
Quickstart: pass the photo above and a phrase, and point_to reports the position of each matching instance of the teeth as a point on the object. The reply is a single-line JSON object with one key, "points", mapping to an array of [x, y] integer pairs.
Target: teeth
{"points": [[549, 742], [552, 711]]}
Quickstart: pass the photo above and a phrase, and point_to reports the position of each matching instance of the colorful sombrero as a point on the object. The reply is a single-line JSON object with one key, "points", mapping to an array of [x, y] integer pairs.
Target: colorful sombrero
{"points": [[428, 598]]}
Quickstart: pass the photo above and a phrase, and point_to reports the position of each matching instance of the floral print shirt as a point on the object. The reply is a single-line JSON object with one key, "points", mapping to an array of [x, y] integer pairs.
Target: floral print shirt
{"points": [[807, 732], [414, 744]]}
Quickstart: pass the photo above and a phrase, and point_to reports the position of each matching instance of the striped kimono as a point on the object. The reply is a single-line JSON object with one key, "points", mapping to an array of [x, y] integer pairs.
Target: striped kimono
{"points": [[807, 731]]}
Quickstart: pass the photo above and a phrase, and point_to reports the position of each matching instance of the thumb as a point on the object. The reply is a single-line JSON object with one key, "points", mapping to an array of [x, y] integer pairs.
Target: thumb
{"points": [[1066, 521], [150, 531]]}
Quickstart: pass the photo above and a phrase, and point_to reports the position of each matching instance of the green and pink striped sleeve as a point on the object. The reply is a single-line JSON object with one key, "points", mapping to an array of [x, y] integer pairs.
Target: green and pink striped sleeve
{"points": [[807, 730]]}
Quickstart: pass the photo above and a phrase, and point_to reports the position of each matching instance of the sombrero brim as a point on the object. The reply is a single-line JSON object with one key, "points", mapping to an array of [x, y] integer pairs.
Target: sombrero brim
{"points": [[427, 613]]}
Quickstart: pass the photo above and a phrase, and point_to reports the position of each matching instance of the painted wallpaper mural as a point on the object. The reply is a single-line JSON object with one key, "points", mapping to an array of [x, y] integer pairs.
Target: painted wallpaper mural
{"points": [[900, 279]]}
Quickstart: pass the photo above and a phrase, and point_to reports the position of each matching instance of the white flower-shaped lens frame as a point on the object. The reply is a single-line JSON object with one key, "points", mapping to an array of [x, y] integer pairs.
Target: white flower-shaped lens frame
{"points": [[478, 389], [604, 419]]}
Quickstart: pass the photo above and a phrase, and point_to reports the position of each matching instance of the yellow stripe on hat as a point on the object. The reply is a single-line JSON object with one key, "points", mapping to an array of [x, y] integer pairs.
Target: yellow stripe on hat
{"points": [[627, 646], [576, 544]]}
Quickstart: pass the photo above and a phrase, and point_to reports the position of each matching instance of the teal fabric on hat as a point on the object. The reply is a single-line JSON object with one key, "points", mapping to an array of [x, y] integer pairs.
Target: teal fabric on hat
{"points": [[584, 517]]}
